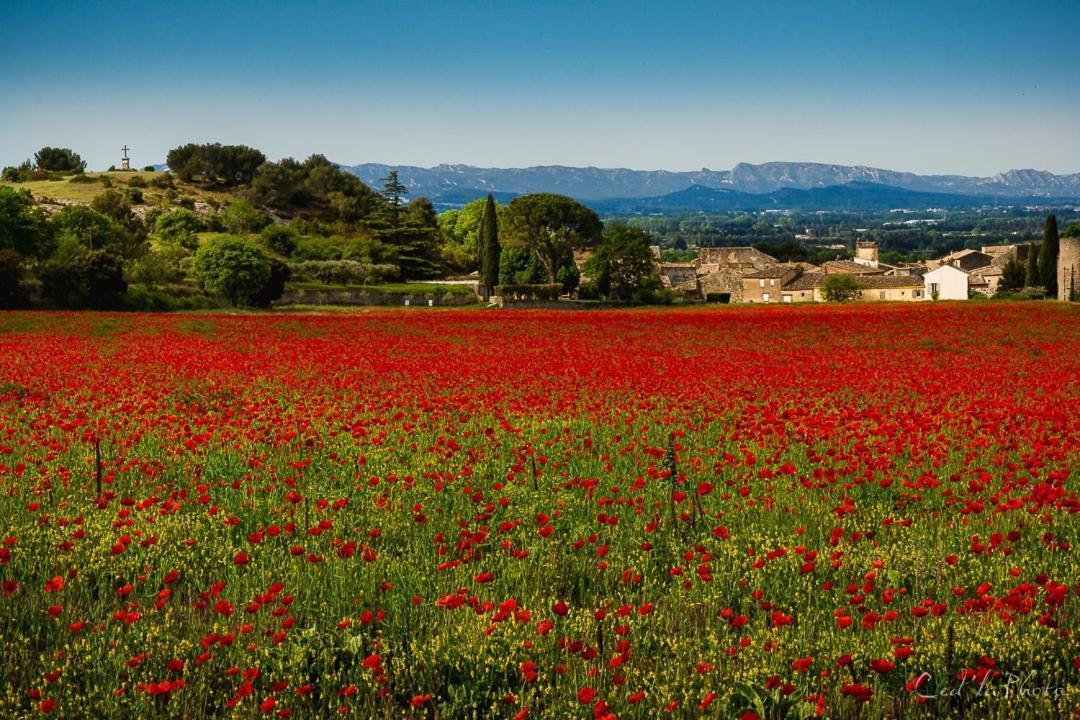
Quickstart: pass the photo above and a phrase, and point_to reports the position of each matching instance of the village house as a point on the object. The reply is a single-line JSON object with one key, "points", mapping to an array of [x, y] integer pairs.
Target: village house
{"points": [[720, 271], [808, 287], [946, 282], [766, 285]]}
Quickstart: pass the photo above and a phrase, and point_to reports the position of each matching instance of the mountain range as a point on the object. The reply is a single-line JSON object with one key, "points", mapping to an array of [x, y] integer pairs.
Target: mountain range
{"points": [[457, 184]]}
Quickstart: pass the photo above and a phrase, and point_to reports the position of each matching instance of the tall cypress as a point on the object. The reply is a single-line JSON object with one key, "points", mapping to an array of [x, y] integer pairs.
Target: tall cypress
{"points": [[1033, 277], [488, 248], [1048, 257]]}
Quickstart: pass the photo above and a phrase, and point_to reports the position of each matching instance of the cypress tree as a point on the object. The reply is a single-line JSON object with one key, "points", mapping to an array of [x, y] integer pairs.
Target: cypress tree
{"points": [[1048, 257], [488, 247], [1033, 277]]}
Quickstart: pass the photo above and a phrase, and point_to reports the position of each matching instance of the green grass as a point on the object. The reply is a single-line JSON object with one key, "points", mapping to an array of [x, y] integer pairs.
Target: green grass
{"points": [[390, 288]]}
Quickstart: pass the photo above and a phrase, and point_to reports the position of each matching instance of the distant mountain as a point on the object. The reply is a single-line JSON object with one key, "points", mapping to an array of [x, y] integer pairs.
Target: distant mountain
{"points": [[589, 184], [853, 196]]}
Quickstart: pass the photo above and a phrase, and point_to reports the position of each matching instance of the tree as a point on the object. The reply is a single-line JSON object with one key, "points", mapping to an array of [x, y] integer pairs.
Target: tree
{"points": [[86, 228], [179, 227], [160, 266], [489, 248], [215, 164], [242, 218], [393, 190], [12, 276], [23, 226], [1033, 276], [1072, 231], [1012, 275], [841, 287], [94, 279], [623, 263], [280, 239], [234, 268], [1048, 256], [415, 238], [63, 160], [274, 287], [552, 227]]}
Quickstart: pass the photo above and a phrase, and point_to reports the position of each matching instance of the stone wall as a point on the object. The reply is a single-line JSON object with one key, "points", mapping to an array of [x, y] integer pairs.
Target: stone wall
{"points": [[374, 297], [1068, 269]]}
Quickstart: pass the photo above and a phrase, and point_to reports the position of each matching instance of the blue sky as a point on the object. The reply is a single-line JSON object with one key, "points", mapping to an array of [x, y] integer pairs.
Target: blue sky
{"points": [[942, 87]]}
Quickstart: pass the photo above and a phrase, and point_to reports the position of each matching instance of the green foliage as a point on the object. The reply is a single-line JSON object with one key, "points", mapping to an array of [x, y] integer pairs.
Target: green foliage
{"points": [[1033, 277], [280, 239], [115, 205], [521, 266], [180, 227], [316, 187], [551, 226], [160, 266], [23, 227], [18, 173], [394, 191], [13, 291], [242, 218], [841, 287], [93, 279], [623, 263], [1012, 275], [344, 272], [415, 238], [83, 226], [1048, 256], [215, 164], [233, 268], [488, 246], [1072, 230], [62, 160], [274, 286]]}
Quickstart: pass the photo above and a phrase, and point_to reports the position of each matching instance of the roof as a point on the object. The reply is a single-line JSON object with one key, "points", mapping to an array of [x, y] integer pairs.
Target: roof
{"points": [[771, 271], [740, 255], [806, 281], [883, 282], [852, 267]]}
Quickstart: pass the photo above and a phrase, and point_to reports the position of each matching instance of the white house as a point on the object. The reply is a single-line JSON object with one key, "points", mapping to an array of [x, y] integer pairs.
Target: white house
{"points": [[946, 283]]}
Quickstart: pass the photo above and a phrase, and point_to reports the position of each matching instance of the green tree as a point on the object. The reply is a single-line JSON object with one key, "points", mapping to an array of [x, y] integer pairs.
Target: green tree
{"points": [[215, 164], [13, 293], [1048, 256], [394, 191], [180, 227], [841, 287], [552, 227], [1012, 276], [415, 239], [622, 265], [63, 160], [93, 279], [280, 239], [489, 248], [160, 266], [23, 227], [89, 229], [1033, 277], [242, 218], [233, 268]]}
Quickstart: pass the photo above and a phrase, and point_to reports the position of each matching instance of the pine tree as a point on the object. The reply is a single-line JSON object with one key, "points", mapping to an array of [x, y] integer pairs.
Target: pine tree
{"points": [[1048, 257], [1033, 277], [488, 248], [394, 191]]}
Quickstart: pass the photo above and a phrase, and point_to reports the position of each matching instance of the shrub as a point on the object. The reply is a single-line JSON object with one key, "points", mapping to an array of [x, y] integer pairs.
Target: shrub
{"points": [[180, 227], [233, 268], [94, 279], [83, 179], [241, 217], [59, 160], [841, 287], [280, 239], [344, 272], [137, 182], [13, 291], [133, 196]]}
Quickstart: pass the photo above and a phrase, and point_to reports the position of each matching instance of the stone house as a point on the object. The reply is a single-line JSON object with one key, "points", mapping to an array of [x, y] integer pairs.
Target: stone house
{"points": [[766, 285], [720, 271], [898, 288]]}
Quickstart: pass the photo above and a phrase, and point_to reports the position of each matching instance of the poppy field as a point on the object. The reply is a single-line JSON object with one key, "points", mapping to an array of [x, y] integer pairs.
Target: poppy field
{"points": [[767, 512]]}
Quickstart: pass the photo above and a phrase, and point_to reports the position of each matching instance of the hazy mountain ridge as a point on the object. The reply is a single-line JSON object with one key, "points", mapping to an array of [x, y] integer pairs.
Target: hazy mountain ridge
{"points": [[592, 183]]}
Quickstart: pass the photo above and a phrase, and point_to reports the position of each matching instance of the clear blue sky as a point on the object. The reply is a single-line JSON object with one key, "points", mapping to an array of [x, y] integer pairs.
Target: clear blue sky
{"points": [[946, 86]]}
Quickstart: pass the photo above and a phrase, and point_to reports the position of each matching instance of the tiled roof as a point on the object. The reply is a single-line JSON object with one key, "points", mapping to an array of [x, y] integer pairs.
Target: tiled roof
{"points": [[772, 271], [890, 281], [852, 267]]}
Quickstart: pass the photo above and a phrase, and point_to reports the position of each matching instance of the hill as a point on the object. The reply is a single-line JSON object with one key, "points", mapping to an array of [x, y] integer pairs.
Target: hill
{"points": [[450, 184]]}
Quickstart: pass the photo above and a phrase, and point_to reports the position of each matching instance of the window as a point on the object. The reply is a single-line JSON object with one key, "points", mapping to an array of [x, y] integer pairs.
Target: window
{"points": [[934, 289], [761, 283], [772, 281], [881, 295], [764, 297]]}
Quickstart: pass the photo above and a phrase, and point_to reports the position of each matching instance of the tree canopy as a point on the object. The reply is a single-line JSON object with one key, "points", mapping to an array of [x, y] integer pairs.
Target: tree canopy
{"points": [[215, 164], [233, 268], [63, 160], [552, 227]]}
